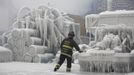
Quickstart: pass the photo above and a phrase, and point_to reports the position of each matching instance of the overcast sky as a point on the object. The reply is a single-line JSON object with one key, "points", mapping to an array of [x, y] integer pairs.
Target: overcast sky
{"points": [[78, 7], [7, 13]]}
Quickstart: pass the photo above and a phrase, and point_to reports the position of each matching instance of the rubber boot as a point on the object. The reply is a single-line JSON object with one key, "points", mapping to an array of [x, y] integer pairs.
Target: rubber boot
{"points": [[68, 70], [56, 67]]}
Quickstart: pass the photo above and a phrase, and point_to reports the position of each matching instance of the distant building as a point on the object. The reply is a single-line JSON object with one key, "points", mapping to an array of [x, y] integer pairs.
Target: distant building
{"points": [[101, 5], [122, 4], [97, 6]]}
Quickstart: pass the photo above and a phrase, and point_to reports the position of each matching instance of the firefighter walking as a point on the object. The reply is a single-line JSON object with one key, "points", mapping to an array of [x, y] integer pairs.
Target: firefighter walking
{"points": [[66, 51]]}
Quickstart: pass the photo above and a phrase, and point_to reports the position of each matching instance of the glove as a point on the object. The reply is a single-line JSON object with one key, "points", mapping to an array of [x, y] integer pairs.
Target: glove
{"points": [[80, 51]]}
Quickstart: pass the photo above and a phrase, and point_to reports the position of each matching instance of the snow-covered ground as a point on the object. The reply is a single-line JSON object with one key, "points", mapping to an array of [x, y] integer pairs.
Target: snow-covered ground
{"points": [[19, 68]]}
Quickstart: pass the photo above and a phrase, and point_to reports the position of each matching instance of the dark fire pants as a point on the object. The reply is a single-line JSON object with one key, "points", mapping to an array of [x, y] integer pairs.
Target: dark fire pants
{"points": [[62, 59]]}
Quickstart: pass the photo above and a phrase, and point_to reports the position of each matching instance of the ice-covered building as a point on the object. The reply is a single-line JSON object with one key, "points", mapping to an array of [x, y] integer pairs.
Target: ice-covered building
{"points": [[112, 49]]}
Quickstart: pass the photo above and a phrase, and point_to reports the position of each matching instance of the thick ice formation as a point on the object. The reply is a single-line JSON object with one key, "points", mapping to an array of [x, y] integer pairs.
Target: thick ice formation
{"points": [[0, 40], [36, 41], [106, 61], [108, 18], [96, 61], [91, 21], [112, 49], [109, 41], [5, 54], [43, 58], [34, 50], [38, 31], [108, 52], [123, 62], [117, 17]]}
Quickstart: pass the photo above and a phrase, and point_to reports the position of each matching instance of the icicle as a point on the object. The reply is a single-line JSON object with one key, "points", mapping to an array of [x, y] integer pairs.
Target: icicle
{"points": [[96, 61], [39, 26], [91, 21], [45, 25], [27, 19]]}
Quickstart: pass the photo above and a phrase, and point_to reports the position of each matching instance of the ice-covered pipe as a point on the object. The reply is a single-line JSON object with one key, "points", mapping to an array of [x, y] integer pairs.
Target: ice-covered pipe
{"points": [[43, 58]]}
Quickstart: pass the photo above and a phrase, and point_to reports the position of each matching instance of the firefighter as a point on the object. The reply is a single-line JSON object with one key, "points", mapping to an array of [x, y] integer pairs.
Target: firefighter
{"points": [[66, 51]]}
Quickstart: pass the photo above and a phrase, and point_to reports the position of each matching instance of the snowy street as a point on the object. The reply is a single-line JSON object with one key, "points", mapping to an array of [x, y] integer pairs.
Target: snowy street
{"points": [[19, 68]]}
